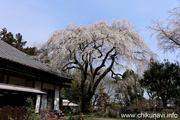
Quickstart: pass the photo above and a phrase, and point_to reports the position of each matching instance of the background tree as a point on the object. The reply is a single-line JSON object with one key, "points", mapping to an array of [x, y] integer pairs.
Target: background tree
{"points": [[73, 93], [128, 89], [168, 35], [103, 99], [163, 80], [7, 37], [17, 42], [95, 50], [142, 105]]}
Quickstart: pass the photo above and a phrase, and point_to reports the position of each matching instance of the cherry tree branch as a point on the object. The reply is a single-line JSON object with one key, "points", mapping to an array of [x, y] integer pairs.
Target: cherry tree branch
{"points": [[102, 64], [105, 72]]}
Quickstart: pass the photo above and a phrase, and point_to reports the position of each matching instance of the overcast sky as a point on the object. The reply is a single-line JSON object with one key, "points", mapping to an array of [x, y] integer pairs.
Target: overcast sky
{"points": [[37, 19]]}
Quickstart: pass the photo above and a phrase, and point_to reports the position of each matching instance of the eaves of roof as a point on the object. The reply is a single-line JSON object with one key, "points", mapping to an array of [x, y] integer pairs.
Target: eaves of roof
{"points": [[10, 53]]}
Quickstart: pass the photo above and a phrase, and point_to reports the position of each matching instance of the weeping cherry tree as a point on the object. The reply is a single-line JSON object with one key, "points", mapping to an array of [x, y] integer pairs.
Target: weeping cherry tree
{"points": [[96, 50]]}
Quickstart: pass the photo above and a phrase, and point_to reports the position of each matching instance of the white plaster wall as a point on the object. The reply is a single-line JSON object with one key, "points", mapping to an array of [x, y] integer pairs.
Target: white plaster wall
{"points": [[37, 86], [17, 81], [48, 86], [56, 98]]}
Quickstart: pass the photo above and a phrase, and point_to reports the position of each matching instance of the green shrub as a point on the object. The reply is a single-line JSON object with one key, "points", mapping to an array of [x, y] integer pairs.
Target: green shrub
{"points": [[75, 118], [30, 110], [67, 113], [112, 114], [115, 106], [167, 111]]}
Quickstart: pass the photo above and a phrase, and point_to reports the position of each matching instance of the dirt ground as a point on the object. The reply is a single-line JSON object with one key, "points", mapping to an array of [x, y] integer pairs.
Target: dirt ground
{"points": [[100, 119], [66, 118]]}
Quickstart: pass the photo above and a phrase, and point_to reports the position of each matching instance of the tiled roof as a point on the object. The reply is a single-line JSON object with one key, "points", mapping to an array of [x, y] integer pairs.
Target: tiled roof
{"points": [[10, 53]]}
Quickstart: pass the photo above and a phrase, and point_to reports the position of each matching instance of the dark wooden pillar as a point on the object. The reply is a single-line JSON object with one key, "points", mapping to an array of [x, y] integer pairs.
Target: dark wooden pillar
{"points": [[2, 78], [60, 104], [60, 99], [7, 79]]}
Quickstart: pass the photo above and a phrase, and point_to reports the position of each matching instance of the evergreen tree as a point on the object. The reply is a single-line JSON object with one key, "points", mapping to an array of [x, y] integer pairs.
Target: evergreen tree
{"points": [[163, 80], [17, 42]]}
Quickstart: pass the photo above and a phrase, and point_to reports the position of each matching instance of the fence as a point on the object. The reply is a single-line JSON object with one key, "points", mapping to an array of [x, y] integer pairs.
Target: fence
{"points": [[11, 113]]}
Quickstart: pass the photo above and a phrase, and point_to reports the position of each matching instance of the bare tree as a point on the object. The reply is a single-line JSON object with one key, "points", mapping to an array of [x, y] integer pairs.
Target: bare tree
{"points": [[168, 35], [96, 50], [128, 90]]}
